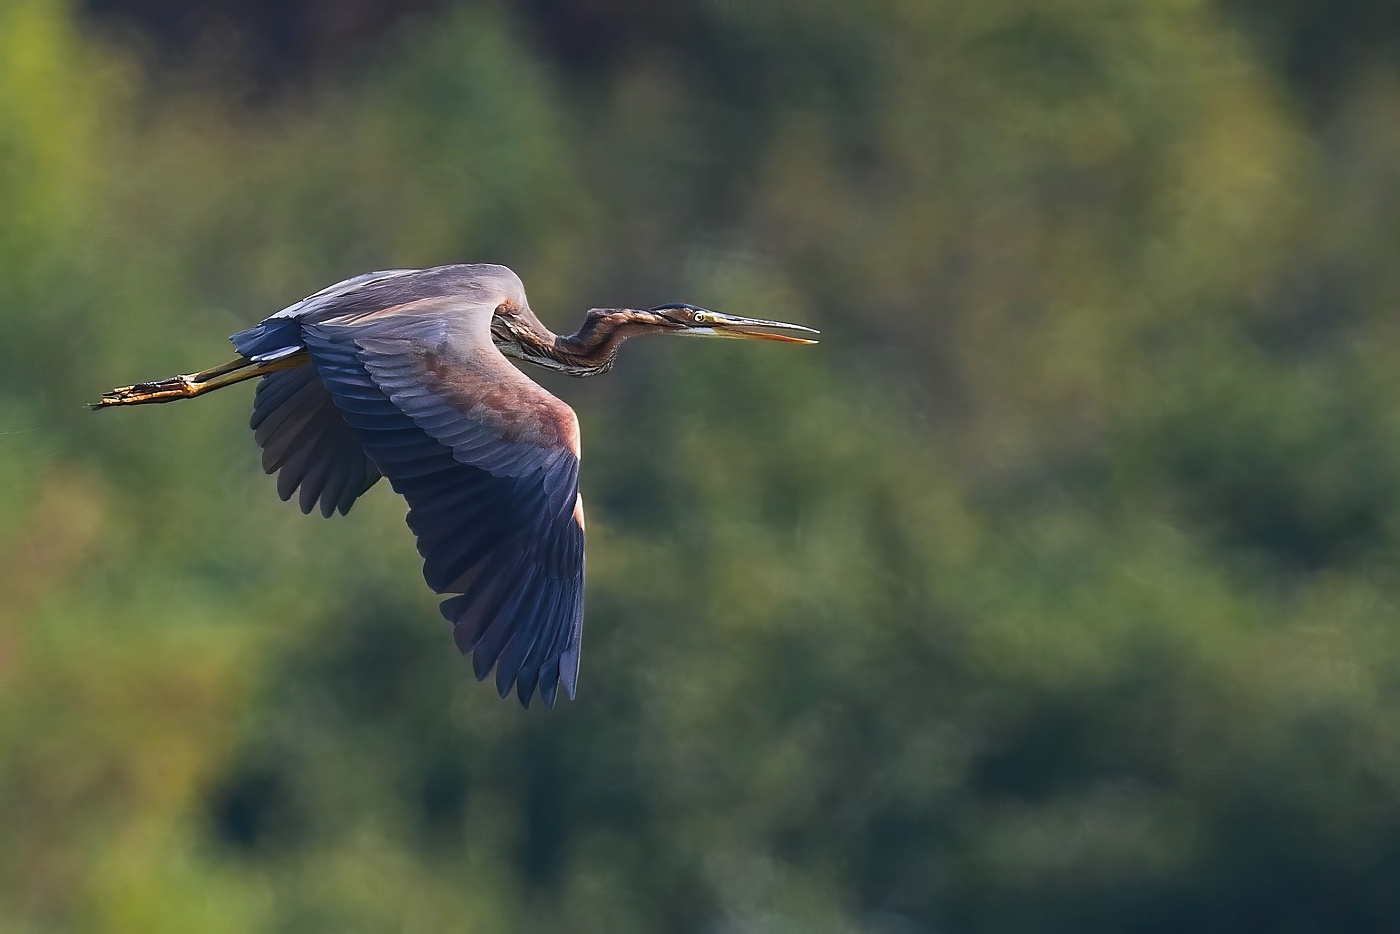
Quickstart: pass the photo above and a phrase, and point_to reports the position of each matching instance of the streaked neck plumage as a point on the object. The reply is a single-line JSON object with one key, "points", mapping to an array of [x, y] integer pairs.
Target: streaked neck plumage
{"points": [[587, 352]]}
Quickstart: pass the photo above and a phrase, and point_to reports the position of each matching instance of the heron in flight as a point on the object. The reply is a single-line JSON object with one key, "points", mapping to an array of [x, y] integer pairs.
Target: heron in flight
{"points": [[403, 374]]}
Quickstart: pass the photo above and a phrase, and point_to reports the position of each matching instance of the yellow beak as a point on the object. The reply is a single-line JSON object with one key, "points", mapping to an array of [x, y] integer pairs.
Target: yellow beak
{"points": [[714, 324]]}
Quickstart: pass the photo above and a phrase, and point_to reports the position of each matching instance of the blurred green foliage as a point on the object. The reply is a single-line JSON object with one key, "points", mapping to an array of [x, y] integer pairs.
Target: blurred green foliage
{"points": [[1055, 591]]}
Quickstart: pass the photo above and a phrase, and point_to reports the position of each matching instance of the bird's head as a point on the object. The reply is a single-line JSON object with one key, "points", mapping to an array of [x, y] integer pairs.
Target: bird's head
{"points": [[679, 318]]}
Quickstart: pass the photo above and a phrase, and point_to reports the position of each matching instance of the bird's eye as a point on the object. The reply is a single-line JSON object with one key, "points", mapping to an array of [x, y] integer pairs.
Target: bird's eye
{"points": [[701, 317]]}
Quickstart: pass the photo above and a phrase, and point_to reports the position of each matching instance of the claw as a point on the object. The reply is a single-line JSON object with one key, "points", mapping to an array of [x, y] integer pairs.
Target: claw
{"points": [[161, 390]]}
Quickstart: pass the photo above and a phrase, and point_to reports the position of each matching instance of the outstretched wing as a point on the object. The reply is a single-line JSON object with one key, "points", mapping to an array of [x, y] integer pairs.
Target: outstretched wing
{"points": [[489, 462], [303, 437], [305, 441]]}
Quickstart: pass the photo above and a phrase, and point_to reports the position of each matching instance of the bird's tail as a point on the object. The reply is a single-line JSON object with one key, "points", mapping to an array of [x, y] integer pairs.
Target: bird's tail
{"points": [[187, 386]]}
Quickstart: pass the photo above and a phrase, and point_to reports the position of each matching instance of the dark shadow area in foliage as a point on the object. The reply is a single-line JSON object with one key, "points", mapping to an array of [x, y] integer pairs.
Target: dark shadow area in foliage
{"points": [[1322, 45], [1325, 499], [254, 809], [270, 41], [377, 658], [545, 802], [443, 795]]}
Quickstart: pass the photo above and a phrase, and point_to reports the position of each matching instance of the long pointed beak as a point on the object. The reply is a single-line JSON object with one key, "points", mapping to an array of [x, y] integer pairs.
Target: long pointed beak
{"points": [[757, 328], [713, 324]]}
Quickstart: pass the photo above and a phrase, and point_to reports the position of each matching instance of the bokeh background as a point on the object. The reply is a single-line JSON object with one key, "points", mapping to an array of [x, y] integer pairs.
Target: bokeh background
{"points": [[1056, 590]]}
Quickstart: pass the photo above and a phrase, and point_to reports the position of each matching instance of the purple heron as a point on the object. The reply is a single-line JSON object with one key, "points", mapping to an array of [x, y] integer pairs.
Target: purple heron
{"points": [[403, 374]]}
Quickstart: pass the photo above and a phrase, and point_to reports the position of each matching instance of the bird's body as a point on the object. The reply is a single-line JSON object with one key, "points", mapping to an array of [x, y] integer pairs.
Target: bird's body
{"points": [[400, 374]]}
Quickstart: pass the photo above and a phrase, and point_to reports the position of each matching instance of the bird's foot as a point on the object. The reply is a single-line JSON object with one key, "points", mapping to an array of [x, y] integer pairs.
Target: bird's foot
{"points": [[161, 390]]}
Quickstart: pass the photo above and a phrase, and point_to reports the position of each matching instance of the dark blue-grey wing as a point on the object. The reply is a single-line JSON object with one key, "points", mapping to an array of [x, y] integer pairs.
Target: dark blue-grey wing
{"points": [[305, 440], [279, 335], [303, 437], [497, 521]]}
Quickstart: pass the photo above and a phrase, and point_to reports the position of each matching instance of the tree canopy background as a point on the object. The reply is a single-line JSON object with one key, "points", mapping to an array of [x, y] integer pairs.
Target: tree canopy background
{"points": [[1056, 590]]}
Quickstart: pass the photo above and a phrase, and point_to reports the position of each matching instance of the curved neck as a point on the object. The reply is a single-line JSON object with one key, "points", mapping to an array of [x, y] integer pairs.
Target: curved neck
{"points": [[587, 352]]}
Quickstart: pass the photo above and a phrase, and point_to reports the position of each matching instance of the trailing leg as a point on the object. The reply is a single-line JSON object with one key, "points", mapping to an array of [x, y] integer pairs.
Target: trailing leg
{"points": [[187, 386]]}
